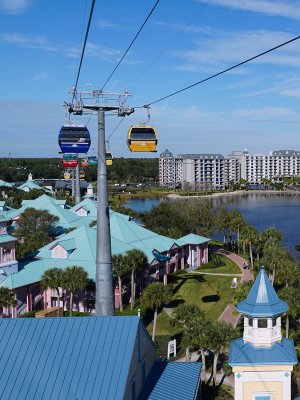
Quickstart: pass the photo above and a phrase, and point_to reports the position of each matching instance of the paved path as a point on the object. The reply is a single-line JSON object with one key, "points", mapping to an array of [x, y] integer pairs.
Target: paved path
{"points": [[213, 273], [230, 314]]}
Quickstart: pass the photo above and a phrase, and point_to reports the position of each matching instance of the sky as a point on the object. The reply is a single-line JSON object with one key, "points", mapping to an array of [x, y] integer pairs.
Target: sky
{"points": [[254, 107]]}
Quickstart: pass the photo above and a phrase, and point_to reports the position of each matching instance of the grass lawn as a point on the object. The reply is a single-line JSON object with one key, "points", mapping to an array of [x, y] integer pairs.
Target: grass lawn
{"points": [[210, 293], [228, 267]]}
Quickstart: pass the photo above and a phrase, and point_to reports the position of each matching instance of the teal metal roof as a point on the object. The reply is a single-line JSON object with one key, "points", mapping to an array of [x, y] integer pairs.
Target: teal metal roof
{"points": [[30, 185], [89, 205], [3, 183], [172, 381], [280, 353], [7, 238], [191, 238], [84, 358], [66, 218], [262, 299], [68, 244]]}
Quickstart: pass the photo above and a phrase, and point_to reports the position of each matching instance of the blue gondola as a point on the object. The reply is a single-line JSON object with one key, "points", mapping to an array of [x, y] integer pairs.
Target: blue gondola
{"points": [[74, 138], [92, 160]]}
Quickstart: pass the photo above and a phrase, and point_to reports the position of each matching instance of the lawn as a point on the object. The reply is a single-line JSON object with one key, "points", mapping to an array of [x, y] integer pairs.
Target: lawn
{"points": [[227, 267], [209, 292]]}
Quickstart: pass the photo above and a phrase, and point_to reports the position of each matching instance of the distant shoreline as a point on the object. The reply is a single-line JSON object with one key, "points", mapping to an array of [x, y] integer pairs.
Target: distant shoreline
{"points": [[237, 193]]}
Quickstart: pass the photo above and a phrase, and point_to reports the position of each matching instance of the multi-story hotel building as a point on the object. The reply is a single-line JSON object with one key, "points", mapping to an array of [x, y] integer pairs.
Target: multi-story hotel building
{"points": [[214, 171]]}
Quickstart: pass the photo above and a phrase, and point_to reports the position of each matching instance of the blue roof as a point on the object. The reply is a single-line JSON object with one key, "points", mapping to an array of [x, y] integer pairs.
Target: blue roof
{"points": [[66, 358], [172, 381], [244, 353], [262, 299]]}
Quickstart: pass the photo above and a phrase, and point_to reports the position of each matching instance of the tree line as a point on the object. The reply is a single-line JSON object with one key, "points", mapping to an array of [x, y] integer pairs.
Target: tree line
{"points": [[122, 169]]}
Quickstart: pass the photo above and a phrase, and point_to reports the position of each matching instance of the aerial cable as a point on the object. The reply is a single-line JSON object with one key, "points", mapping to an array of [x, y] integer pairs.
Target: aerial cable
{"points": [[115, 129], [171, 42], [139, 31], [83, 49], [223, 72]]}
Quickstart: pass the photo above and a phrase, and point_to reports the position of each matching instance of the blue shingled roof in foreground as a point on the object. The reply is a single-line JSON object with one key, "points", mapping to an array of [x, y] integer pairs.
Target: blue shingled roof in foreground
{"points": [[244, 353], [172, 381], [262, 299], [84, 358]]}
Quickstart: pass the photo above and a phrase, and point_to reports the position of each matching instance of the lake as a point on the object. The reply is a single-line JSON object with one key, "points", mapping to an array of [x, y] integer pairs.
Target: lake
{"points": [[259, 210]]}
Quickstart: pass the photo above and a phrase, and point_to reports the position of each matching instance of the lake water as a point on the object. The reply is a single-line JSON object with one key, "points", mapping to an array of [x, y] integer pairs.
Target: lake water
{"points": [[259, 210]]}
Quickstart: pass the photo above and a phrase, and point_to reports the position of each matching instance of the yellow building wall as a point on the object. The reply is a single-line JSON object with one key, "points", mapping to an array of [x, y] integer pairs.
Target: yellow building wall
{"points": [[275, 388], [265, 368]]}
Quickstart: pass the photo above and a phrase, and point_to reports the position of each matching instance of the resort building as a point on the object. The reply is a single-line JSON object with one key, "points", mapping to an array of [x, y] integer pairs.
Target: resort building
{"points": [[78, 247], [214, 171], [262, 360], [88, 358]]}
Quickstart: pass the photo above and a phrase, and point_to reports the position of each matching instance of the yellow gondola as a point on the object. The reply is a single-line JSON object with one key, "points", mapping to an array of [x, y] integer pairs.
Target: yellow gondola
{"points": [[108, 158], [81, 174], [142, 138]]}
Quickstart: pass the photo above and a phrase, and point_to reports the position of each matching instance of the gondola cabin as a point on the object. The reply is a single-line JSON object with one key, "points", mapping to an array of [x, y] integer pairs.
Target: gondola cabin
{"points": [[70, 160], [74, 138], [109, 159], [84, 162], [81, 174], [142, 138], [67, 176], [92, 160]]}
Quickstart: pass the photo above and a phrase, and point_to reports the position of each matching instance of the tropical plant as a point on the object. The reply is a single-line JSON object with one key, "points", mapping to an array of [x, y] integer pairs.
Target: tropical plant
{"points": [[53, 278], [249, 235], [32, 221], [120, 268], [274, 257], [74, 278], [155, 295], [291, 295], [219, 334], [7, 299], [136, 261]]}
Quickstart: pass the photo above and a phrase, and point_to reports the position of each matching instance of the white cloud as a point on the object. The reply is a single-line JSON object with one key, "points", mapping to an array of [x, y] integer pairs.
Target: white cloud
{"points": [[264, 113], [214, 53], [40, 76], [273, 8], [14, 6], [104, 24]]}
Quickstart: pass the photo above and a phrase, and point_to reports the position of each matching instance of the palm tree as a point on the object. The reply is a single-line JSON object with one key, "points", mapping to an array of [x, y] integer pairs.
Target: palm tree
{"points": [[7, 299], [291, 296], [74, 278], [249, 234], [120, 268], [274, 257], [53, 279], [136, 261], [219, 334], [182, 317], [155, 295], [195, 333]]}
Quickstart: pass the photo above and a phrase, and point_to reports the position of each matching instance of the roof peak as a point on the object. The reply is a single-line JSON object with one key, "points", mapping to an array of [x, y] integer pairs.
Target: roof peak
{"points": [[262, 299]]}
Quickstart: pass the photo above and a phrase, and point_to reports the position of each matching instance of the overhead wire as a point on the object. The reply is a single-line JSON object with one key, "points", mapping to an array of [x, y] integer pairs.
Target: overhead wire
{"points": [[83, 50], [128, 48], [171, 42], [222, 72]]}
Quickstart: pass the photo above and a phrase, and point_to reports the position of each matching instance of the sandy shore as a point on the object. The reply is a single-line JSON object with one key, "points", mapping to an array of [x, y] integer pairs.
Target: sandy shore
{"points": [[238, 193]]}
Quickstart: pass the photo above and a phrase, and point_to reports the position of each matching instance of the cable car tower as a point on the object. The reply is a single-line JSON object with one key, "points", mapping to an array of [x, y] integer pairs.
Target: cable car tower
{"points": [[89, 101]]}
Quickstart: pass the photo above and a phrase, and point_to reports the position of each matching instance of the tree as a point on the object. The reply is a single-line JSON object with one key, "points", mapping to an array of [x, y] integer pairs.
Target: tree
{"points": [[33, 221], [182, 317], [291, 296], [155, 295], [219, 334], [7, 299], [249, 235], [31, 243], [74, 278], [274, 257], [120, 268], [241, 292], [53, 278], [136, 261]]}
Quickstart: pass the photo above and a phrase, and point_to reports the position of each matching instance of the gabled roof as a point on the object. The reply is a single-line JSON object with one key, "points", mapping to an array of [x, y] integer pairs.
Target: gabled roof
{"points": [[191, 238], [262, 299], [66, 358], [6, 238], [3, 183], [172, 381], [30, 185], [66, 219], [244, 353], [88, 205], [68, 244]]}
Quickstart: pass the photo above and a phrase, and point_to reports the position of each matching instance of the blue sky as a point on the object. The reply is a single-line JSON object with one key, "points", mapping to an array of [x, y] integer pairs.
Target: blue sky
{"points": [[254, 107]]}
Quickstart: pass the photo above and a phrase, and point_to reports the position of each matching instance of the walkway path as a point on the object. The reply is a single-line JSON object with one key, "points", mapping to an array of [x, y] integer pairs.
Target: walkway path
{"points": [[230, 314]]}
